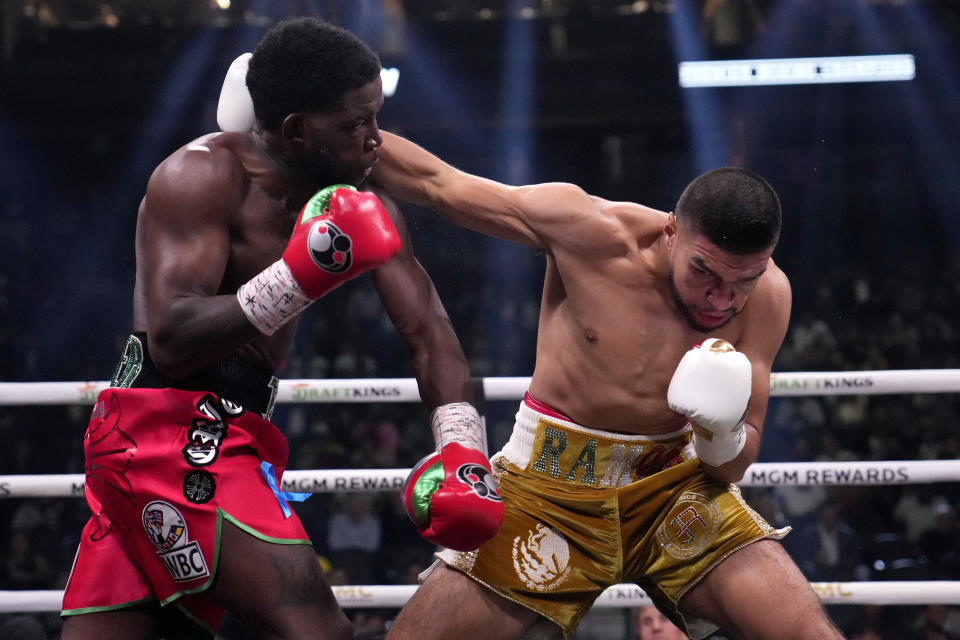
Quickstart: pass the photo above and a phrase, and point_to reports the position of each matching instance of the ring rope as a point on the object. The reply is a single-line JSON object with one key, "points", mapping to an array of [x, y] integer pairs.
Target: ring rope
{"points": [[623, 595], [759, 474], [828, 383], [618, 596]]}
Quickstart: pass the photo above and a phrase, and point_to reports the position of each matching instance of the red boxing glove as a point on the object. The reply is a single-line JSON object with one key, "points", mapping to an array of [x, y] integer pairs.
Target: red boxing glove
{"points": [[452, 497], [340, 234]]}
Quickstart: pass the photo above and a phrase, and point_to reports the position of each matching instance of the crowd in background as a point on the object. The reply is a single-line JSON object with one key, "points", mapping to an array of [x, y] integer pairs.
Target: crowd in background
{"points": [[853, 322], [864, 244]]}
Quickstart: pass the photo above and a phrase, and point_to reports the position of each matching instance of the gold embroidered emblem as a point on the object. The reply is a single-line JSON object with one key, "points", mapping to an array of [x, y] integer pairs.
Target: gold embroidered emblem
{"points": [[690, 526]]}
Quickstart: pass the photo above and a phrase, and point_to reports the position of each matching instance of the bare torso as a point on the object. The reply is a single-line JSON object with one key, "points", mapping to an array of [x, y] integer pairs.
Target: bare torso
{"points": [[610, 336], [258, 228]]}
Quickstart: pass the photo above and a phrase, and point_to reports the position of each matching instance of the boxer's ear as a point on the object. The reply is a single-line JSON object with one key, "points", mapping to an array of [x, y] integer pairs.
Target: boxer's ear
{"points": [[670, 228], [292, 128]]}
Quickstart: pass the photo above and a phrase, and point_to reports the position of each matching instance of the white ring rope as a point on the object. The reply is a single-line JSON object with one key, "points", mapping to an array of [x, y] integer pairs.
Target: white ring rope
{"points": [[622, 595], [759, 474], [405, 389], [618, 596]]}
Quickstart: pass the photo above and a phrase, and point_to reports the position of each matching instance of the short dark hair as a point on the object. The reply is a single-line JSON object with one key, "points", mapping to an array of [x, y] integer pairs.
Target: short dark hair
{"points": [[306, 65], [734, 208]]}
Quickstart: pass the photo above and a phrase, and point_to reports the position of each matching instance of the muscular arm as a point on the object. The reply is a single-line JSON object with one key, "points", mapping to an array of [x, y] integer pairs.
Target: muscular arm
{"points": [[544, 216], [183, 245], [411, 301], [764, 331]]}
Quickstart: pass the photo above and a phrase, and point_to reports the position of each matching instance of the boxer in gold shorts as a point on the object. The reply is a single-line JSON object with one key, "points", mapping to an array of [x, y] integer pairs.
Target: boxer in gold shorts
{"points": [[586, 509], [657, 334]]}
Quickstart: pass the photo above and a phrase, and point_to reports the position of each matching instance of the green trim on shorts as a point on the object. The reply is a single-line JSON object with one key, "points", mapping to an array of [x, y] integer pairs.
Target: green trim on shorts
{"points": [[221, 514], [112, 607], [257, 534], [213, 570]]}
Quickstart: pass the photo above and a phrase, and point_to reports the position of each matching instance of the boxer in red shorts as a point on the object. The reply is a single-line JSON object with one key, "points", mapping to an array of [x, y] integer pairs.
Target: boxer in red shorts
{"points": [[233, 241], [166, 469]]}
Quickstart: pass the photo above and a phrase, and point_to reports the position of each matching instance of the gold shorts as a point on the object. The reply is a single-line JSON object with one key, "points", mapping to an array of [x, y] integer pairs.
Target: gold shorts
{"points": [[587, 509]]}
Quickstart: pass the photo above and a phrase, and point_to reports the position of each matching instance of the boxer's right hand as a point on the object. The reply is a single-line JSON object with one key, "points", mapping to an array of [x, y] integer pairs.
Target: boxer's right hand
{"points": [[711, 387], [341, 233], [452, 497]]}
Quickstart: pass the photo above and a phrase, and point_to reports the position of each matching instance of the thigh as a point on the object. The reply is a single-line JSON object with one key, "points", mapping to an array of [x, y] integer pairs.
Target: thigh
{"points": [[757, 593], [146, 622], [450, 605], [278, 590]]}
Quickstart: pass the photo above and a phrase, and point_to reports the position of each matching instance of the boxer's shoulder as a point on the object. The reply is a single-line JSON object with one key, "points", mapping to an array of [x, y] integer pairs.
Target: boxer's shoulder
{"points": [[761, 327], [640, 222], [206, 172], [201, 180], [773, 291]]}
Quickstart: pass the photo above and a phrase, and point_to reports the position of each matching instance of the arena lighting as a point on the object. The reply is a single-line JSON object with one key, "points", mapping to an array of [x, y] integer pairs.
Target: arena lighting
{"points": [[775, 71], [510, 265], [706, 112], [390, 76]]}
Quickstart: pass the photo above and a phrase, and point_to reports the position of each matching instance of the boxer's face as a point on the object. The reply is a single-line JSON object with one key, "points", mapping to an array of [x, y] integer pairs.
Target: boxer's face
{"points": [[709, 285], [341, 145]]}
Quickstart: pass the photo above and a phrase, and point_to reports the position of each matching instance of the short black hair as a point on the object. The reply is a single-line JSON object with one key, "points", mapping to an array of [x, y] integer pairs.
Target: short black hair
{"points": [[734, 208], [306, 65]]}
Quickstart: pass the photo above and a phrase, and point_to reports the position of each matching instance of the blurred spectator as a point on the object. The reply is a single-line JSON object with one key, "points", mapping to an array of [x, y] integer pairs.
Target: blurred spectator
{"points": [[368, 623], [937, 622], [831, 450], [411, 573], [866, 633], [26, 564], [22, 627], [353, 539], [916, 512], [653, 625], [941, 544], [729, 26], [874, 622], [376, 439], [826, 549]]}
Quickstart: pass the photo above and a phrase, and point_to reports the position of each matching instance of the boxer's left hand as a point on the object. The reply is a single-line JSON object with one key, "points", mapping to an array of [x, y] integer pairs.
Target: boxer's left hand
{"points": [[452, 497], [711, 387]]}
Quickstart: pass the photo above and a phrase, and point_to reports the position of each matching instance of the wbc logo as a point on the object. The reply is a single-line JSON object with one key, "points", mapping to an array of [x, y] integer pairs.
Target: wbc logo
{"points": [[167, 530], [330, 247]]}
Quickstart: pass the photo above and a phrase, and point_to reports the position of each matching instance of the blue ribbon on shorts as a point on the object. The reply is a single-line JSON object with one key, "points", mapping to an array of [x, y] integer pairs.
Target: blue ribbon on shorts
{"points": [[282, 496]]}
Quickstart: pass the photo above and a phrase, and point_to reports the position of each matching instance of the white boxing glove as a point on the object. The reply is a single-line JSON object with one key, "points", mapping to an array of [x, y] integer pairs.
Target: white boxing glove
{"points": [[235, 108], [711, 387]]}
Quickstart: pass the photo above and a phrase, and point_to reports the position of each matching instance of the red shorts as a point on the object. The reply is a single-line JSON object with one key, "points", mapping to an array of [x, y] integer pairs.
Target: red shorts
{"points": [[164, 468]]}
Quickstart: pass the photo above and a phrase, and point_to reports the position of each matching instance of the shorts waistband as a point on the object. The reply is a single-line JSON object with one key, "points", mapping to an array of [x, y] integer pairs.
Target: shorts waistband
{"points": [[565, 450], [232, 377]]}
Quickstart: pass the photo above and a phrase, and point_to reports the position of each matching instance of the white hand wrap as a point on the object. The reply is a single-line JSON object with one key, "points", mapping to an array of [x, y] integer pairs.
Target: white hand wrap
{"points": [[271, 298], [711, 387], [457, 422]]}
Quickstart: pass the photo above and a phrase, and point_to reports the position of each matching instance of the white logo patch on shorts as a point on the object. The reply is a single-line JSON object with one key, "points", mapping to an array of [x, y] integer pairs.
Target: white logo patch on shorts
{"points": [[542, 559], [167, 530]]}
